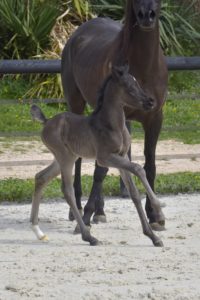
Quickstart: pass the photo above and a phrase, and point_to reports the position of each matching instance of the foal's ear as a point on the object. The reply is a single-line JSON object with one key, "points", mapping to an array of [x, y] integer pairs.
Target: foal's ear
{"points": [[119, 71]]}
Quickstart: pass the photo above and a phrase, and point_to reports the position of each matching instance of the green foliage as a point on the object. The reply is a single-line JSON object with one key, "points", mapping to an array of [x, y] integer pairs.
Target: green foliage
{"points": [[179, 27], [107, 8], [12, 87], [20, 190], [17, 118], [25, 27]]}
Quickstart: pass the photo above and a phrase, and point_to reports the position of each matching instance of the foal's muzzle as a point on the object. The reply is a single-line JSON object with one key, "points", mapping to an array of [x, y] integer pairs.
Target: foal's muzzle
{"points": [[149, 104]]}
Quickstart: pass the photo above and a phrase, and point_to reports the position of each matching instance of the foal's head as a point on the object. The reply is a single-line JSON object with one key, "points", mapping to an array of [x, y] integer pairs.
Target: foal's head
{"points": [[128, 89], [146, 12]]}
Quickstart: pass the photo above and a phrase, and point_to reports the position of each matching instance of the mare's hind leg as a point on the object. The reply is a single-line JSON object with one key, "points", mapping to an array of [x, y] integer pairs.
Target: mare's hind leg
{"points": [[96, 201], [41, 180], [77, 188], [137, 201]]}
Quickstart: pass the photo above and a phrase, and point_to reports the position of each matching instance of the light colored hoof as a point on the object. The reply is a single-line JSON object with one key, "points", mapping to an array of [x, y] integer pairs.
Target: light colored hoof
{"points": [[45, 238], [99, 219], [77, 229], [157, 227]]}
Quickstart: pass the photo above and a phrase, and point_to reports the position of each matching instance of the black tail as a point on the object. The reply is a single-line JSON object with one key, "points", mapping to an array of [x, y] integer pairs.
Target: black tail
{"points": [[37, 114]]}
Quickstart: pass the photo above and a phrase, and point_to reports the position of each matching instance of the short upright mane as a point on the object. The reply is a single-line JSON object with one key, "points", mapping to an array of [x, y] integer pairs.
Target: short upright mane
{"points": [[101, 95]]}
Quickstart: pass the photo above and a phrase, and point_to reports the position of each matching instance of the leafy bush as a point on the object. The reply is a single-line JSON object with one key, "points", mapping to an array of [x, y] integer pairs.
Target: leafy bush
{"points": [[25, 27]]}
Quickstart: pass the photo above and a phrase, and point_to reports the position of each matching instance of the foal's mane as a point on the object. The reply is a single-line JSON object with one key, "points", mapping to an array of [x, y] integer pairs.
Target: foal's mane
{"points": [[101, 93]]}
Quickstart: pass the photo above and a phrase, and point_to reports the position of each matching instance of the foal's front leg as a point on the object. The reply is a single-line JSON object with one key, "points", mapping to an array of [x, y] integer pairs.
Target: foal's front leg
{"points": [[119, 162], [134, 194]]}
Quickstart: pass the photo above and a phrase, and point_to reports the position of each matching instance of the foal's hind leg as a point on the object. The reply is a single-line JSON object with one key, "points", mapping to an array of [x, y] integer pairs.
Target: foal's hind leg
{"points": [[136, 200], [76, 104], [66, 161], [41, 180]]}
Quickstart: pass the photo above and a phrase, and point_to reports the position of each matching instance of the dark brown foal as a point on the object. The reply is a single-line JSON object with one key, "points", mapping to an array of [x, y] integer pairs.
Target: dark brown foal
{"points": [[102, 136]]}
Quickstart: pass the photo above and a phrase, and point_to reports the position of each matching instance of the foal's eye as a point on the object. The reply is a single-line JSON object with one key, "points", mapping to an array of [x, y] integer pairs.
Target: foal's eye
{"points": [[133, 78]]}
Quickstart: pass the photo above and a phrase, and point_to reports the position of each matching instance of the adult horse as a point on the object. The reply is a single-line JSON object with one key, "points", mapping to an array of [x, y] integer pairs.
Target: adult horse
{"points": [[86, 61]]}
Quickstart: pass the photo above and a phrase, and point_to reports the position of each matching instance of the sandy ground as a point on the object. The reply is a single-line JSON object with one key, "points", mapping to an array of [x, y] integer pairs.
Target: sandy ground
{"points": [[125, 266], [24, 159]]}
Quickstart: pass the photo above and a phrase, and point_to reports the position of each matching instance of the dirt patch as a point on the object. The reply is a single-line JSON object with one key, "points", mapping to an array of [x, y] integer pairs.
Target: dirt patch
{"points": [[24, 159], [125, 266]]}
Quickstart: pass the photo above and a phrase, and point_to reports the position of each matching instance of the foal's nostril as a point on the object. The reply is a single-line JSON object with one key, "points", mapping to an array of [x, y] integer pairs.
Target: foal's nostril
{"points": [[149, 104]]}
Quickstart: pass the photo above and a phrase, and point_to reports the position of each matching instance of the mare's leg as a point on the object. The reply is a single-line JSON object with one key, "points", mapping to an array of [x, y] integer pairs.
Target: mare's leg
{"points": [[41, 180], [123, 190], [77, 188], [152, 129], [137, 201], [119, 162], [96, 201]]}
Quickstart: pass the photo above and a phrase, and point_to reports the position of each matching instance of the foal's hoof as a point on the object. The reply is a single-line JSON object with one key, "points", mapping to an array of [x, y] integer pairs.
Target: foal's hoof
{"points": [[158, 226], [99, 219], [94, 242], [158, 243], [45, 238], [77, 229], [71, 215]]}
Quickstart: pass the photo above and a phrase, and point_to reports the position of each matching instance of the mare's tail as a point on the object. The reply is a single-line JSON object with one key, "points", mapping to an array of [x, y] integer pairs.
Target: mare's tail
{"points": [[37, 114]]}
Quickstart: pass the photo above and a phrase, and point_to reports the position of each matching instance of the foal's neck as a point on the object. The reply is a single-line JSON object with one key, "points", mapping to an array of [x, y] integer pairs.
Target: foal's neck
{"points": [[111, 113]]}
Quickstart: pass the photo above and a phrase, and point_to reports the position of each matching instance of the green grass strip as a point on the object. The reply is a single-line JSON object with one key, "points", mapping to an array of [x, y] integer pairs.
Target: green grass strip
{"points": [[19, 190]]}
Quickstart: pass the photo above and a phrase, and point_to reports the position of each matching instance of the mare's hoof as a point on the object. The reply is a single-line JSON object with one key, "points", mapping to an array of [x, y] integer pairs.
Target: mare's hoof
{"points": [[158, 243], [77, 229], [99, 219], [158, 226], [71, 215]]}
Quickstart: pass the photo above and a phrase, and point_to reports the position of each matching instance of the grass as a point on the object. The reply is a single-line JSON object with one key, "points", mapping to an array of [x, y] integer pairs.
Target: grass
{"points": [[177, 113], [19, 190]]}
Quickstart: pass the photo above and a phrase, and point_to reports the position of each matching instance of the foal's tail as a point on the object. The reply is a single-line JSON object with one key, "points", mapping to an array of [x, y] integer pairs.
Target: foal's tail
{"points": [[37, 114]]}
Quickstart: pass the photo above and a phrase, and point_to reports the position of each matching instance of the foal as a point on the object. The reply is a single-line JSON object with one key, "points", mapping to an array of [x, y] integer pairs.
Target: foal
{"points": [[102, 136]]}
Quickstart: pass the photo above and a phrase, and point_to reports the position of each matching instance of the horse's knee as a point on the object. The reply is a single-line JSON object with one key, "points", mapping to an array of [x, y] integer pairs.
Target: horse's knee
{"points": [[139, 170]]}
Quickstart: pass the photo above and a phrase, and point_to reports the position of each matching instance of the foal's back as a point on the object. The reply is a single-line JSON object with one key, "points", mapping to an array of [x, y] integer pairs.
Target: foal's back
{"points": [[73, 132]]}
